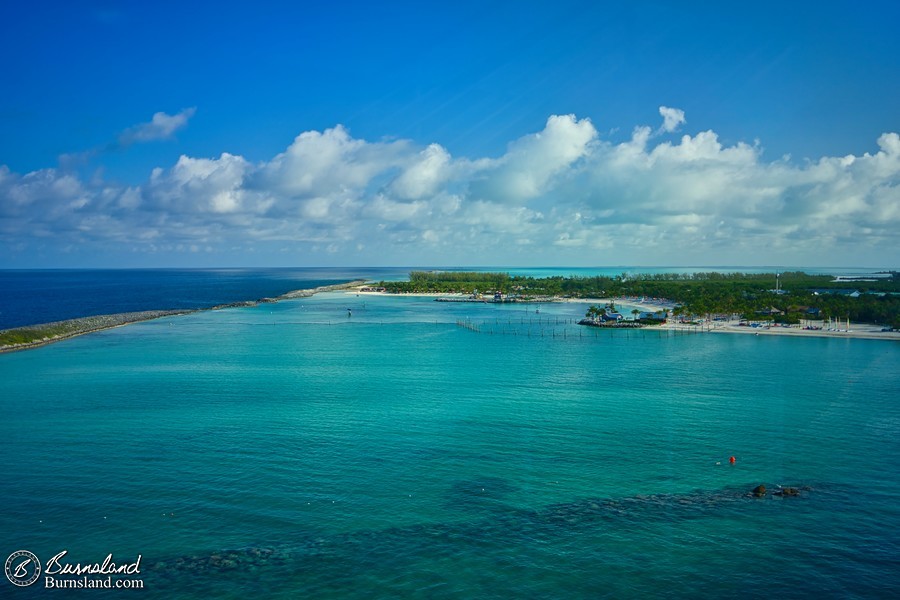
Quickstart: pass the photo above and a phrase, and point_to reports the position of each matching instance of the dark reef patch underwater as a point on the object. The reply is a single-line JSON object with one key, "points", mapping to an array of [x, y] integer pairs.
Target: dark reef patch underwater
{"points": [[340, 562]]}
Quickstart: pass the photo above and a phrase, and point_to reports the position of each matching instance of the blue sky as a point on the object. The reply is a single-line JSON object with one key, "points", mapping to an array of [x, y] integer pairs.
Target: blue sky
{"points": [[479, 133]]}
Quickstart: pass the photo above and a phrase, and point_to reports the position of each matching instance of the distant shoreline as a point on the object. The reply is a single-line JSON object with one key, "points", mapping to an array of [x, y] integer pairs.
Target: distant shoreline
{"points": [[35, 336], [862, 331], [865, 332], [644, 305]]}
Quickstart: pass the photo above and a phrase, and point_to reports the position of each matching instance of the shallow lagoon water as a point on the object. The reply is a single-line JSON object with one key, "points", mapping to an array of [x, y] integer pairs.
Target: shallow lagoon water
{"points": [[292, 450]]}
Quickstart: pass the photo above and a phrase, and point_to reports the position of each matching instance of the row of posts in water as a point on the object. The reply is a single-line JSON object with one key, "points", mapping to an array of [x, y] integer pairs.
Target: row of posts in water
{"points": [[496, 327]]}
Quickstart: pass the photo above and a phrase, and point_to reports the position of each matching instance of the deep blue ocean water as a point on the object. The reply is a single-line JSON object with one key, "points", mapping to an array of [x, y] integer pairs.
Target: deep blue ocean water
{"points": [[290, 450], [28, 297]]}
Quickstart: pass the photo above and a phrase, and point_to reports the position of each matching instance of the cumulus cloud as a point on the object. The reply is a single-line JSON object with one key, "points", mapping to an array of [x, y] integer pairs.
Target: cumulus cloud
{"points": [[330, 162], [202, 185], [672, 118], [562, 195], [161, 127], [423, 177], [532, 163]]}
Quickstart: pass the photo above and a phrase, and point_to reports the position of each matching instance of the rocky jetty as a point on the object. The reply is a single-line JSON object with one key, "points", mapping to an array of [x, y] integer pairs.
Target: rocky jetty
{"points": [[313, 291], [33, 336], [611, 324]]}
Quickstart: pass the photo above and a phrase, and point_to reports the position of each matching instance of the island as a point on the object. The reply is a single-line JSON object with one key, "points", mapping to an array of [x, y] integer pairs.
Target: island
{"points": [[740, 302]]}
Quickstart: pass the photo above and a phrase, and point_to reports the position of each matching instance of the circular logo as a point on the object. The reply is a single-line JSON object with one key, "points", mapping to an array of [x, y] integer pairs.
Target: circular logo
{"points": [[23, 568]]}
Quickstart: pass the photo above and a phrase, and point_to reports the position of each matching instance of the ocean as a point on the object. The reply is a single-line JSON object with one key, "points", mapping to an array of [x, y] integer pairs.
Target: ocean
{"points": [[409, 448], [29, 297]]}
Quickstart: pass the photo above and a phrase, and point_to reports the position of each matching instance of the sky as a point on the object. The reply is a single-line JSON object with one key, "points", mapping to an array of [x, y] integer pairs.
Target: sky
{"points": [[227, 134]]}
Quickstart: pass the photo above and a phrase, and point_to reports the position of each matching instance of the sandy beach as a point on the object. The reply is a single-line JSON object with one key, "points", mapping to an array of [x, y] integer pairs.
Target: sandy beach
{"points": [[856, 330], [631, 304]]}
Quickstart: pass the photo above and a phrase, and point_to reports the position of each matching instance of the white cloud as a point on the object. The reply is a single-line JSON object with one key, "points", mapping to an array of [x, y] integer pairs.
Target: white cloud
{"points": [[383, 208], [532, 162], [672, 118], [318, 164], [562, 195], [202, 185], [161, 127], [424, 176]]}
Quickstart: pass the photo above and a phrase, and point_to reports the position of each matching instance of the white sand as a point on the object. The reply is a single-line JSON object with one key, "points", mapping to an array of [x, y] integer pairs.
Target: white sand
{"points": [[857, 330]]}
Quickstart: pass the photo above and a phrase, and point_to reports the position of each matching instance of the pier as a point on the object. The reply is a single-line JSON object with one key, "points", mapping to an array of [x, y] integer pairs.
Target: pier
{"points": [[563, 328]]}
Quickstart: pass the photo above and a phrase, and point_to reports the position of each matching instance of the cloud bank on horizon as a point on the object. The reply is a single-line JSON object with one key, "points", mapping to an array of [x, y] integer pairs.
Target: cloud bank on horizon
{"points": [[560, 196]]}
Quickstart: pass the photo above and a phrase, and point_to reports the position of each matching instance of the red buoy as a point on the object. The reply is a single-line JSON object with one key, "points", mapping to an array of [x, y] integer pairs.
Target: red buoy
{"points": [[731, 460]]}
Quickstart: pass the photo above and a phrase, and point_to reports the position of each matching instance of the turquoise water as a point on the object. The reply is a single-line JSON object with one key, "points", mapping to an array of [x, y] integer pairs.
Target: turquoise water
{"points": [[291, 450]]}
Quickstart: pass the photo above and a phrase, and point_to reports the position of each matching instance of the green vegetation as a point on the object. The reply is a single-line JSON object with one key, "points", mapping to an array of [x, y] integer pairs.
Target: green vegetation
{"points": [[751, 295], [595, 312], [598, 313], [450, 282], [27, 335], [35, 335]]}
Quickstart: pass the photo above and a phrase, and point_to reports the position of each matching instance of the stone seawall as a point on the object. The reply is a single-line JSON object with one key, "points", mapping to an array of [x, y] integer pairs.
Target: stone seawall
{"points": [[33, 336]]}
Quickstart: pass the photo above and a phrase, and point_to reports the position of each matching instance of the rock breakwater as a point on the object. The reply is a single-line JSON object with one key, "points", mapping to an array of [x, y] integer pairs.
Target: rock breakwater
{"points": [[33, 336]]}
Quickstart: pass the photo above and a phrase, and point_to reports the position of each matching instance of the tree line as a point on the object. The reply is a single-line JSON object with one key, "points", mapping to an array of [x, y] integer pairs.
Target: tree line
{"points": [[752, 295]]}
